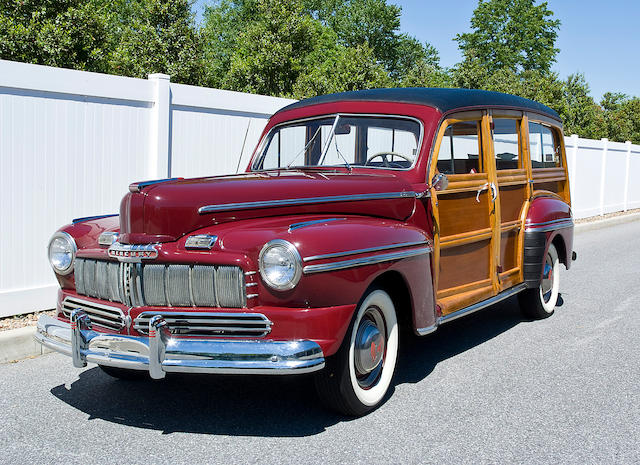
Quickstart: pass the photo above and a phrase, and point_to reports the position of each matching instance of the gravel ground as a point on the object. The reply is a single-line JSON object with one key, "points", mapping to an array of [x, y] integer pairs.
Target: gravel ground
{"points": [[489, 388], [20, 321], [606, 216]]}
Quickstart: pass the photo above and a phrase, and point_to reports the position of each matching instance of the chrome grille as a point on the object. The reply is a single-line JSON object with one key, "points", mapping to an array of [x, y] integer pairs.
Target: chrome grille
{"points": [[227, 289], [209, 324], [100, 315], [136, 284]]}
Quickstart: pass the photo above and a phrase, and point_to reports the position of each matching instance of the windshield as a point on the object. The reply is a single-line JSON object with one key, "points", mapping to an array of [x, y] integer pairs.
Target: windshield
{"points": [[364, 141]]}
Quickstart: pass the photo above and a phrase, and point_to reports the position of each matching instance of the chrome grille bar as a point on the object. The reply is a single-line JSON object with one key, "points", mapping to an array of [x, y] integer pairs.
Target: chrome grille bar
{"points": [[100, 315], [161, 285], [209, 324]]}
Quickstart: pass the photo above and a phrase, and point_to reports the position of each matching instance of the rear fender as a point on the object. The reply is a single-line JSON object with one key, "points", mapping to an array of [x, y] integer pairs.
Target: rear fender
{"points": [[548, 221]]}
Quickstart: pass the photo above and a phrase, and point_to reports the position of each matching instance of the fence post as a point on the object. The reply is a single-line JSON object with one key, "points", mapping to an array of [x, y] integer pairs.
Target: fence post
{"points": [[626, 177], [159, 128], [574, 159], [603, 169]]}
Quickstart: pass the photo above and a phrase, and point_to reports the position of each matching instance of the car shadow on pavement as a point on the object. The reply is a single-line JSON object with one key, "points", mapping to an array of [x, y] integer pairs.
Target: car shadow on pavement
{"points": [[267, 406]]}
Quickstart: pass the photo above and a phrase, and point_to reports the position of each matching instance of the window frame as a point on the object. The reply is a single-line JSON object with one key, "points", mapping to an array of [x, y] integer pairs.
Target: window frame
{"points": [[519, 119], [260, 153]]}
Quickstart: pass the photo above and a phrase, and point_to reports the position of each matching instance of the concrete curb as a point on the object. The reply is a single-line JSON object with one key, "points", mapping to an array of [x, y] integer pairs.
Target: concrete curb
{"points": [[606, 222], [16, 344]]}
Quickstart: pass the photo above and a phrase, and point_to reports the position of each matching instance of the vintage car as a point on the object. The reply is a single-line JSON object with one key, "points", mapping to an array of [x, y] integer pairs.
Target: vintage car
{"points": [[359, 214]]}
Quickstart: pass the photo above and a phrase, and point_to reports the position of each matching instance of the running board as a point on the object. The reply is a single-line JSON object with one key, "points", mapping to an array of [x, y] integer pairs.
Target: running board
{"points": [[473, 308]]}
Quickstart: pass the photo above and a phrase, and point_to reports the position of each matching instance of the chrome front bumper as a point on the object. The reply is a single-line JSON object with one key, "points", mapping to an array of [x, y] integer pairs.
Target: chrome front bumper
{"points": [[161, 353]]}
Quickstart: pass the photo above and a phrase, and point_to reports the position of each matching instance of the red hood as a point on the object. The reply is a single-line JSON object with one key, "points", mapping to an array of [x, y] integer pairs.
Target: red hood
{"points": [[166, 211]]}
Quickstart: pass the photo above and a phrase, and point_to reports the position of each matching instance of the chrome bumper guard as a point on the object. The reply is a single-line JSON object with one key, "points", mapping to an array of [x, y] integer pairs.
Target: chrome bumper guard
{"points": [[161, 353]]}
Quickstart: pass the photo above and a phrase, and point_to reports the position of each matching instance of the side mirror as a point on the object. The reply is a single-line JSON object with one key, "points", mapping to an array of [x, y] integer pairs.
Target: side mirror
{"points": [[440, 181]]}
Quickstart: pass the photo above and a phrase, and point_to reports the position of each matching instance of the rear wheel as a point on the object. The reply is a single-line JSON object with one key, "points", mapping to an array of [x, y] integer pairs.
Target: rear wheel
{"points": [[123, 373], [356, 379], [540, 303]]}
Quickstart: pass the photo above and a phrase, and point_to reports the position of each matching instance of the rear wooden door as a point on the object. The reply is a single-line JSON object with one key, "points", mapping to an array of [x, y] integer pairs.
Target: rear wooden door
{"points": [[509, 136], [466, 238]]}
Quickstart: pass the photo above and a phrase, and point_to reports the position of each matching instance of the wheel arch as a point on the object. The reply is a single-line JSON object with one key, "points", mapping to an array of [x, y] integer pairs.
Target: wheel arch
{"points": [[395, 284]]}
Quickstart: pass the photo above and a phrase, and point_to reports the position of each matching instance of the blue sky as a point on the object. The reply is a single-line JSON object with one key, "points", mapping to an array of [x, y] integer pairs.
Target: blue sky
{"points": [[598, 38]]}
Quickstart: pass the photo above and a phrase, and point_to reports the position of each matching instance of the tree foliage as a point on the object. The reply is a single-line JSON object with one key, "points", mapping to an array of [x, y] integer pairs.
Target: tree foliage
{"points": [[302, 48], [126, 37], [299, 48], [621, 117], [155, 36], [512, 34], [63, 33]]}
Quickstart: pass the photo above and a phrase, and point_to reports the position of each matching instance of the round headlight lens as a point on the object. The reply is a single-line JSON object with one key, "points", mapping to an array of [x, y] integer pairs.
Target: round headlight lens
{"points": [[280, 265], [62, 252]]}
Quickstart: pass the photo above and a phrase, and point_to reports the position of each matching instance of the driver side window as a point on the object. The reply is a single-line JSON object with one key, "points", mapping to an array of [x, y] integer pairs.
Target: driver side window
{"points": [[461, 149]]}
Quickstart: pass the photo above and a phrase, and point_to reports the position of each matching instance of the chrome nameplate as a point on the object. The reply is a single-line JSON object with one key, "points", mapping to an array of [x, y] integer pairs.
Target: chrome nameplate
{"points": [[132, 253]]}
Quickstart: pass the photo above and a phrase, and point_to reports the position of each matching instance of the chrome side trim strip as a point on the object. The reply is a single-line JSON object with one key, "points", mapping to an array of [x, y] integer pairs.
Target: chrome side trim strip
{"points": [[341, 265], [427, 330], [89, 218], [480, 305], [304, 224], [550, 225], [138, 186], [361, 251], [544, 223], [305, 201]]}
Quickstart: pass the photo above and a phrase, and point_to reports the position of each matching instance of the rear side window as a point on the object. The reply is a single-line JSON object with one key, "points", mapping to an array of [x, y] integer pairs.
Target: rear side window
{"points": [[505, 143], [460, 149], [544, 146]]}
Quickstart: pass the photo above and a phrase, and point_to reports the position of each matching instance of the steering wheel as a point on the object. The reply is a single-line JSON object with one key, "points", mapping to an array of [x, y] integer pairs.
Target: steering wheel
{"points": [[385, 160]]}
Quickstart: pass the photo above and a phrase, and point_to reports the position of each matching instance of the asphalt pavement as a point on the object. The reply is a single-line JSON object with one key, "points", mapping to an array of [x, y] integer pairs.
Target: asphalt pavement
{"points": [[491, 388]]}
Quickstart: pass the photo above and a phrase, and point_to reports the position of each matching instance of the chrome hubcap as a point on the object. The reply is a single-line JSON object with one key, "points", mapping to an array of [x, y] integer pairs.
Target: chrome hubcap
{"points": [[369, 347], [547, 279]]}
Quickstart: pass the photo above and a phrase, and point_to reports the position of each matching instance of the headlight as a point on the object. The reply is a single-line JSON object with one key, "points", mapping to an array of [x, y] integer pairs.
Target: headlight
{"points": [[62, 252], [280, 265]]}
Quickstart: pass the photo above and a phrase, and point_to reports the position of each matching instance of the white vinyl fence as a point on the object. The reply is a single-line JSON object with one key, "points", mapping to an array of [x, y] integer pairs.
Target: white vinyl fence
{"points": [[71, 142]]}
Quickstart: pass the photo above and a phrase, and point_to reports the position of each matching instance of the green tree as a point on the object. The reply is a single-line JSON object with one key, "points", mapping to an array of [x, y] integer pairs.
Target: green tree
{"points": [[376, 24], [426, 71], [346, 68], [64, 33], [621, 117], [513, 34], [271, 51], [159, 36]]}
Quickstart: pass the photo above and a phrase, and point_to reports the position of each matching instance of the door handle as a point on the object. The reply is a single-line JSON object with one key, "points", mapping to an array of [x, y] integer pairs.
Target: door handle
{"points": [[488, 185]]}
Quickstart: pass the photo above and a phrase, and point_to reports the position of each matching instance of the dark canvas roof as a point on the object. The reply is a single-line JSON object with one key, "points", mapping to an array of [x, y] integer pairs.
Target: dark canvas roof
{"points": [[444, 100]]}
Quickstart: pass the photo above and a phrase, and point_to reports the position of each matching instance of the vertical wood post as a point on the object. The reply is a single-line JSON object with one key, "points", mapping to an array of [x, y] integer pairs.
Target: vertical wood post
{"points": [[159, 128], [627, 174], [603, 171]]}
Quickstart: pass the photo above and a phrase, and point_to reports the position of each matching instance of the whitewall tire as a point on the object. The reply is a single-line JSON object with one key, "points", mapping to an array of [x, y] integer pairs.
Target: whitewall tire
{"points": [[540, 303], [356, 380]]}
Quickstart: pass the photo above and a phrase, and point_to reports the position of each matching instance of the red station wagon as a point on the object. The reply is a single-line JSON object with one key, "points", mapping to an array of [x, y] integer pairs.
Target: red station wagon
{"points": [[359, 213]]}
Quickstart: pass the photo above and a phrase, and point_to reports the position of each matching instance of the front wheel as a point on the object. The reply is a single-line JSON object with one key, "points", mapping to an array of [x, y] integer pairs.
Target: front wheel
{"points": [[540, 303], [356, 379]]}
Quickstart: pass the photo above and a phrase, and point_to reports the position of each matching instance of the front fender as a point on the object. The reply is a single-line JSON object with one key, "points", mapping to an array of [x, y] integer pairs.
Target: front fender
{"points": [[342, 257]]}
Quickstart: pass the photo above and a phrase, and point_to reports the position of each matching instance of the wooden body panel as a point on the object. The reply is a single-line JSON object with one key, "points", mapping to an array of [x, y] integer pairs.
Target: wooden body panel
{"points": [[479, 245]]}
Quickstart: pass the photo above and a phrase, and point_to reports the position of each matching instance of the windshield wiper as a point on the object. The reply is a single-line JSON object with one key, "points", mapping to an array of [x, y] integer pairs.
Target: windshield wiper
{"points": [[342, 156], [304, 149], [335, 139]]}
